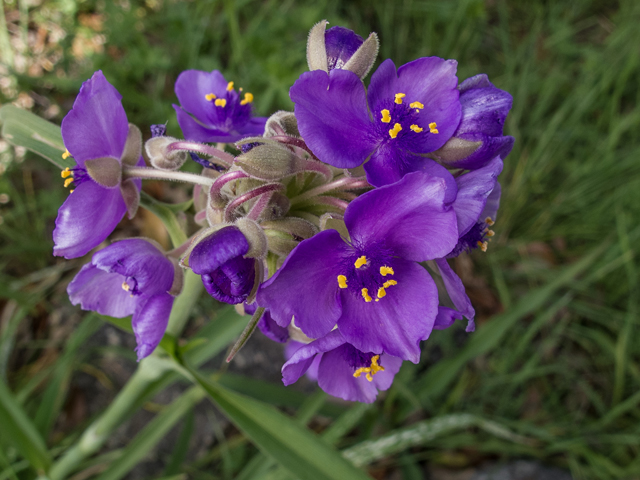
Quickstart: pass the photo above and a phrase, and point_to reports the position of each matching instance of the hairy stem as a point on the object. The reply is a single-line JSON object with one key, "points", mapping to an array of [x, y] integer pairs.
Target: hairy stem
{"points": [[153, 173]]}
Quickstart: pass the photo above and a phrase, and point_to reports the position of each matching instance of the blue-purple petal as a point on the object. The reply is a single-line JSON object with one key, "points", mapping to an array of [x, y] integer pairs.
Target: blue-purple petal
{"points": [[217, 249], [457, 293], [302, 358], [446, 317], [340, 44], [271, 329], [150, 321], [192, 87]]}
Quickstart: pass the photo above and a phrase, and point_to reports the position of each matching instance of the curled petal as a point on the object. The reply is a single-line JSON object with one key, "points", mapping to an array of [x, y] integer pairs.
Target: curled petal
{"points": [[303, 357], [457, 292], [446, 317], [150, 321]]}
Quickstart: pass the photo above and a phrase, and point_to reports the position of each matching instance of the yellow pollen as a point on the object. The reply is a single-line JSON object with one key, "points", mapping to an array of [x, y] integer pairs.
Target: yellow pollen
{"points": [[71, 191], [342, 281], [490, 233], [66, 155], [210, 96], [65, 173], [68, 182], [365, 295], [125, 286], [386, 117], [360, 261], [489, 221], [417, 105], [399, 97], [389, 283], [416, 128], [381, 292], [384, 271], [370, 371], [393, 133], [483, 245], [220, 102], [433, 127], [248, 98], [229, 86], [240, 89]]}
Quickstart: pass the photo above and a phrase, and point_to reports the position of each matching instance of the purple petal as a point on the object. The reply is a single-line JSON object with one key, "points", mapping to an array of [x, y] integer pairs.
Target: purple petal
{"points": [[192, 87], [145, 268], [484, 107], [232, 282], [101, 292], [340, 43], [396, 324], [97, 126], [86, 218], [150, 321], [253, 128], [409, 216], [492, 205], [333, 117], [217, 249], [312, 372], [457, 292], [474, 188], [193, 130], [271, 329], [306, 285], [446, 317], [303, 357]]}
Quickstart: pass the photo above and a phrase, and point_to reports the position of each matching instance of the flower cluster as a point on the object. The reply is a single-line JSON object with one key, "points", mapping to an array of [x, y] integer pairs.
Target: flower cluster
{"points": [[332, 225]]}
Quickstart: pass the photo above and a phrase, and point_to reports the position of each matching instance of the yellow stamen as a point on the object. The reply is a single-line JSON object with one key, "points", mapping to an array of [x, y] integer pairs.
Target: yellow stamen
{"points": [[66, 155], [71, 191], [365, 295], [68, 182], [240, 89], [360, 261], [386, 117], [342, 281], [483, 245], [490, 233], [210, 96], [381, 292], [489, 221], [125, 286], [399, 97], [417, 105], [65, 173], [370, 371], [432, 127], [389, 283], [393, 133], [229, 86], [248, 98], [220, 102], [384, 271], [416, 128]]}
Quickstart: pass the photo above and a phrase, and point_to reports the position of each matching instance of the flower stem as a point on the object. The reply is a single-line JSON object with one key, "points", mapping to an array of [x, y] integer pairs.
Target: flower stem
{"points": [[224, 158], [153, 173], [268, 188], [244, 336], [344, 183]]}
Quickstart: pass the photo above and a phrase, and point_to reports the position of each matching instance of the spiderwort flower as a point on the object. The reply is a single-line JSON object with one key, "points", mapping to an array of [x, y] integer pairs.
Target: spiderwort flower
{"points": [[414, 111], [212, 110], [372, 287], [98, 136], [129, 277], [478, 138], [219, 258], [342, 370]]}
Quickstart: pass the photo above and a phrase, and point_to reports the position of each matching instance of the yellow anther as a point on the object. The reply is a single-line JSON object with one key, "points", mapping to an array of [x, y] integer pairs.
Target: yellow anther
{"points": [[342, 281], [384, 271], [68, 182], [65, 173], [389, 283], [370, 371], [365, 295], [229, 86], [381, 292], [360, 261], [240, 89], [220, 102], [483, 245], [66, 155], [399, 97], [386, 117], [393, 133], [490, 233], [71, 191], [210, 96], [489, 221], [125, 286], [433, 127], [248, 98], [416, 128], [416, 105]]}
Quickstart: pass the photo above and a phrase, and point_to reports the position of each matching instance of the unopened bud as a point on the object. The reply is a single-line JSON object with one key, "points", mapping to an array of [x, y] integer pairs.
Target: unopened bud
{"points": [[281, 123], [268, 162], [299, 228], [255, 236], [163, 158]]}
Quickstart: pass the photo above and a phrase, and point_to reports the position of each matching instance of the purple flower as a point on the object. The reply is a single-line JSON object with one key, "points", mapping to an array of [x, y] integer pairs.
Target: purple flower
{"points": [[478, 139], [98, 136], [401, 116], [219, 259], [129, 277], [340, 44], [212, 110], [343, 370], [372, 287]]}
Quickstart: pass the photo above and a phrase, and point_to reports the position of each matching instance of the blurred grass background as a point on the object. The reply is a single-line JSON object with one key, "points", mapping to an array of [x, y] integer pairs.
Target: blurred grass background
{"points": [[556, 357]]}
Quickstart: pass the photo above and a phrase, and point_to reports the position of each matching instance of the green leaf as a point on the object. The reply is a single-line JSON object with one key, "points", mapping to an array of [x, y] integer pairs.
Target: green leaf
{"points": [[25, 129], [24, 436], [299, 450]]}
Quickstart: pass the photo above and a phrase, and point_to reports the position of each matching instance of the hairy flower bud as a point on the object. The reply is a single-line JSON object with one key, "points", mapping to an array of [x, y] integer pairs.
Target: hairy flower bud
{"points": [[268, 162], [161, 157], [282, 123]]}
